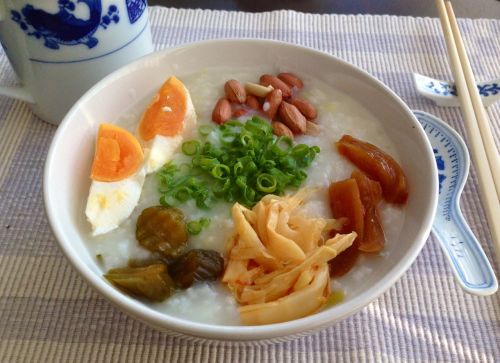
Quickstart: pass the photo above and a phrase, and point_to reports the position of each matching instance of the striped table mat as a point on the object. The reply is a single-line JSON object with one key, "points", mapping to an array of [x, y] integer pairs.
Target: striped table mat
{"points": [[49, 314]]}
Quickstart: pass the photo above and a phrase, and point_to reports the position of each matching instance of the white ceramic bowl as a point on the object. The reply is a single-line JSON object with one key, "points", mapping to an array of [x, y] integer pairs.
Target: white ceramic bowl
{"points": [[66, 172]]}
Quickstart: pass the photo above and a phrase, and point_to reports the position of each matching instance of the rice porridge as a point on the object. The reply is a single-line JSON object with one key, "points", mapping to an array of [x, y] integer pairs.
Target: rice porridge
{"points": [[338, 114]]}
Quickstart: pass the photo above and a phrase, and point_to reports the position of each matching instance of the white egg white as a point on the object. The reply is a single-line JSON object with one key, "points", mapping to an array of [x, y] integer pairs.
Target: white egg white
{"points": [[160, 150], [111, 203]]}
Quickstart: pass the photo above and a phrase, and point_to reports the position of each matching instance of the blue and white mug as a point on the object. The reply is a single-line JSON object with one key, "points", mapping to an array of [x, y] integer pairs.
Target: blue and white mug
{"points": [[60, 48]]}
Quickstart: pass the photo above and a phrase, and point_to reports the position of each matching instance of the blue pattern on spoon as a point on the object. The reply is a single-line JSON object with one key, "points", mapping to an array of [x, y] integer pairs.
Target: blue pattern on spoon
{"points": [[465, 255]]}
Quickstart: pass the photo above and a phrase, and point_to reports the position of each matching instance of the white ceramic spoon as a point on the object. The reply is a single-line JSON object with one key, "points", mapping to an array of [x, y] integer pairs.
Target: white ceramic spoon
{"points": [[465, 255]]}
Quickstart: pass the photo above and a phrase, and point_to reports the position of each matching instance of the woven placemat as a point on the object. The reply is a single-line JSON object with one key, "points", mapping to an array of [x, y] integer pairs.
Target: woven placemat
{"points": [[49, 314]]}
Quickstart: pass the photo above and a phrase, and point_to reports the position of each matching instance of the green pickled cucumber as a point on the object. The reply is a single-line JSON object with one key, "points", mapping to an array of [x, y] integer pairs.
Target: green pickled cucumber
{"points": [[150, 282], [162, 230]]}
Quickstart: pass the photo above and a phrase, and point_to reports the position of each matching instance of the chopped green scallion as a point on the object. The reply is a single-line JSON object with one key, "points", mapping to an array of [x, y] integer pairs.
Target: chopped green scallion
{"points": [[239, 162], [204, 130], [191, 147], [221, 171], [266, 183]]}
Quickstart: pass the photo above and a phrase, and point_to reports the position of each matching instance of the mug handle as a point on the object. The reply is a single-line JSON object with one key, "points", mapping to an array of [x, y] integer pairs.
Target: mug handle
{"points": [[17, 92]]}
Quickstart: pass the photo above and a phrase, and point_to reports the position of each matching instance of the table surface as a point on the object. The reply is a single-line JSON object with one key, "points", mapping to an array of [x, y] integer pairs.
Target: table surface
{"points": [[48, 313], [463, 8]]}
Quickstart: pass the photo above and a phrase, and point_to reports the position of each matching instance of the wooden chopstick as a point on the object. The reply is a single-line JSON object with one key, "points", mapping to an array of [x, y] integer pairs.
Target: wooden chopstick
{"points": [[482, 118], [485, 170]]}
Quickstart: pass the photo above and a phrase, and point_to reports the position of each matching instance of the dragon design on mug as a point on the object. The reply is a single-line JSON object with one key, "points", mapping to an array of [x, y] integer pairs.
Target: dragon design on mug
{"points": [[64, 27]]}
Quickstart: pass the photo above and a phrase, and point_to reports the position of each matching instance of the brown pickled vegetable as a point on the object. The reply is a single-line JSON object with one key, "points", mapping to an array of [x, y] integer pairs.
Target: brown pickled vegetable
{"points": [[370, 193], [163, 230], [196, 265], [151, 282], [378, 165], [357, 199], [374, 237], [345, 202], [344, 262]]}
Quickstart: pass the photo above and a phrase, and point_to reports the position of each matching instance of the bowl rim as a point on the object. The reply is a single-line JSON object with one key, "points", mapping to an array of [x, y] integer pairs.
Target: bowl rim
{"points": [[211, 331]]}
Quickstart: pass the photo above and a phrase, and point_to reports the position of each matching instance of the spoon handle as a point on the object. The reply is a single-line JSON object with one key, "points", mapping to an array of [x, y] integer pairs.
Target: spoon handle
{"points": [[463, 251], [465, 255]]}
